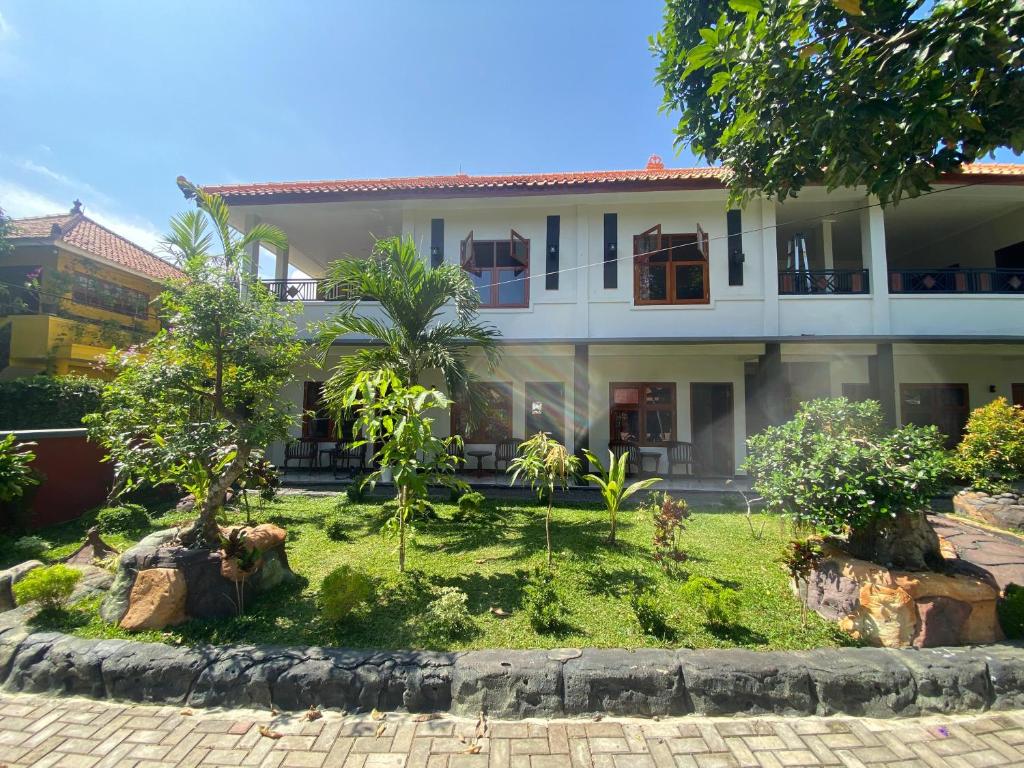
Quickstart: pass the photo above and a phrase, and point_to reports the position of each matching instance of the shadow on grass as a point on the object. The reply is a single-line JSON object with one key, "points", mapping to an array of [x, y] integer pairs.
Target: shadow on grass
{"points": [[736, 633], [60, 619], [617, 582]]}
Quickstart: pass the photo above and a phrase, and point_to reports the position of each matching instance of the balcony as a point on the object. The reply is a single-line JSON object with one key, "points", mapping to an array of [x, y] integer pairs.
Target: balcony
{"points": [[823, 282], [304, 290], [926, 281]]}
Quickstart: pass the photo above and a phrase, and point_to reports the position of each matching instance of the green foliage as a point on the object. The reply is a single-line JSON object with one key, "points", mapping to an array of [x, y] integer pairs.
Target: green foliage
{"points": [[50, 587], [122, 519], [802, 555], [15, 473], [192, 405], [543, 606], [720, 605], [991, 454], [447, 616], [881, 95], [414, 338], [344, 592], [470, 504], [612, 482], [48, 402], [30, 547], [545, 464], [394, 416], [833, 466], [1011, 612], [650, 616], [336, 528], [669, 515], [356, 492]]}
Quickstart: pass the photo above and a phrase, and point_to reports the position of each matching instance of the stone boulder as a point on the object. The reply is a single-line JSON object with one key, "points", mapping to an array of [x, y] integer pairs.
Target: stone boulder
{"points": [[1004, 510], [157, 600], [10, 577]]}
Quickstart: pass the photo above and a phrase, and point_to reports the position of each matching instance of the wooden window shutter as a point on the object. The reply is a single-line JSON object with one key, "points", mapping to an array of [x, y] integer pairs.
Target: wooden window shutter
{"points": [[702, 242], [467, 250], [436, 242], [734, 226], [611, 248], [551, 254], [646, 243]]}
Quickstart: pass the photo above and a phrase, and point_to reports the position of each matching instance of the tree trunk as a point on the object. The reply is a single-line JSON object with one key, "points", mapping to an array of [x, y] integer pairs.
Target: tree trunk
{"points": [[403, 500], [209, 531], [611, 536], [907, 541], [547, 531]]}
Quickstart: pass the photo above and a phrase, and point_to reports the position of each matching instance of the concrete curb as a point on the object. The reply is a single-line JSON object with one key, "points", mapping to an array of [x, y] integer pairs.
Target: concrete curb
{"points": [[515, 684]]}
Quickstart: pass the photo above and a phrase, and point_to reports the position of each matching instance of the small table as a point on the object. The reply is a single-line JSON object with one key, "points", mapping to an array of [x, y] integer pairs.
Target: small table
{"points": [[479, 456], [644, 455]]}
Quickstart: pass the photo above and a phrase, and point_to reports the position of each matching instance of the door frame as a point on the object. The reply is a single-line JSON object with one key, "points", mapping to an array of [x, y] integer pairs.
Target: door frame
{"points": [[732, 421]]}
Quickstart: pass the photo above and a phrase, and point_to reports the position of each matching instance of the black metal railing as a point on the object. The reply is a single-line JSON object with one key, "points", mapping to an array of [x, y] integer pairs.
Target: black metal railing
{"points": [[956, 281], [304, 290], [803, 282]]}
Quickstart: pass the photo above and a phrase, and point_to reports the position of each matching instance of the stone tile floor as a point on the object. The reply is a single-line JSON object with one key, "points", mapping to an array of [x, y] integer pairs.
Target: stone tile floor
{"points": [[82, 733]]}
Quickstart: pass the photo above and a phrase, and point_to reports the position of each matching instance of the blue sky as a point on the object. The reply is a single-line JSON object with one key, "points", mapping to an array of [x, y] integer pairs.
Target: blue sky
{"points": [[109, 101]]}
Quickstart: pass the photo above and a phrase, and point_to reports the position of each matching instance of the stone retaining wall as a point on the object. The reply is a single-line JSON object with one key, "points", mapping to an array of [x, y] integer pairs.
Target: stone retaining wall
{"points": [[515, 684]]}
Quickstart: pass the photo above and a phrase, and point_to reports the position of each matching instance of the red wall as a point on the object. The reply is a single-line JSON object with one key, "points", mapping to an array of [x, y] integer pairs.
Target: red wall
{"points": [[74, 478]]}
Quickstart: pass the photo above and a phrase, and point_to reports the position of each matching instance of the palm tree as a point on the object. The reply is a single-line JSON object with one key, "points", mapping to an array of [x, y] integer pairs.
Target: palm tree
{"points": [[415, 339]]}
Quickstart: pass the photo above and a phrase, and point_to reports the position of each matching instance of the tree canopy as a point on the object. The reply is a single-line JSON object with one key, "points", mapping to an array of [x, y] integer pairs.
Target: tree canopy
{"points": [[885, 94]]}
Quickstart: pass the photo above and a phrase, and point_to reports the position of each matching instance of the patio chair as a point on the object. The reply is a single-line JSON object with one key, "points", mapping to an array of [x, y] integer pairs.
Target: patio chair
{"points": [[505, 451], [348, 456], [457, 450], [300, 451], [680, 454], [619, 447]]}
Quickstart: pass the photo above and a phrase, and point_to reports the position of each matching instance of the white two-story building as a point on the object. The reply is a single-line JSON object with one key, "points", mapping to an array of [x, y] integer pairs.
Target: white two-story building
{"points": [[637, 306]]}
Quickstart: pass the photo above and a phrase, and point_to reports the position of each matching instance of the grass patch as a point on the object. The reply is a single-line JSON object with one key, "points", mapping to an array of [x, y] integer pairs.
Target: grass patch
{"points": [[490, 559]]}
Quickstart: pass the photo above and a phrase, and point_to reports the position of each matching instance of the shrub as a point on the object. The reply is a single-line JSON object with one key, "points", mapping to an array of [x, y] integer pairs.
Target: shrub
{"points": [[720, 605], [122, 519], [541, 601], [48, 402], [991, 455], [356, 491], [50, 587], [447, 615], [336, 528], [834, 467], [670, 516], [15, 474], [345, 591], [469, 505], [1011, 612], [802, 555], [650, 616], [30, 547]]}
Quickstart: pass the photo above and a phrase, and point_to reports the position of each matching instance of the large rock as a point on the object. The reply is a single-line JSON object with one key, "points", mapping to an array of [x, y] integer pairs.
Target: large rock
{"points": [[6, 593], [1003, 511], [735, 681], [866, 682], [948, 681], [509, 684], [157, 600], [646, 682]]}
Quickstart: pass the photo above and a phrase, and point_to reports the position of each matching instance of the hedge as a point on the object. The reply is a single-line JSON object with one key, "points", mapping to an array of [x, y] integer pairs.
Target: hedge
{"points": [[47, 402]]}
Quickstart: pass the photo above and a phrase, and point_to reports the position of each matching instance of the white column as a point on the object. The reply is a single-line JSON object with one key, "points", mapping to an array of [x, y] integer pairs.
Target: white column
{"points": [[872, 245], [281, 264], [770, 267], [252, 260], [826, 243]]}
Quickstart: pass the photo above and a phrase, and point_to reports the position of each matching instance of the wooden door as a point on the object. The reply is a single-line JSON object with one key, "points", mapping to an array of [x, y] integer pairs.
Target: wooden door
{"points": [[1017, 394], [946, 406], [711, 420], [545, 409]]}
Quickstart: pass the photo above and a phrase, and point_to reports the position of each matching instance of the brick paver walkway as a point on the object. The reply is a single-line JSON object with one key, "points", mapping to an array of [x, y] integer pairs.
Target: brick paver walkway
{"points": [[79, 733]]}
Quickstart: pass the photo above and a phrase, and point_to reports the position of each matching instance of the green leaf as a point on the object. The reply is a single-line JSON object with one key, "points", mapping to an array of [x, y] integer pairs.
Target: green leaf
{"points": [[745, 6], [851, 7]]}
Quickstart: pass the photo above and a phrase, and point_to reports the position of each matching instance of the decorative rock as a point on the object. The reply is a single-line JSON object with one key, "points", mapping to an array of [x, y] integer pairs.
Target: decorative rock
{"points": [[646, 681], [19, 571], [157, 600], [947, 681], [210, 595], [273, 572], [94, 548], [736, 681], [1004, 511], [939, 619], [508, 684], [867, 682], [6, 593]]}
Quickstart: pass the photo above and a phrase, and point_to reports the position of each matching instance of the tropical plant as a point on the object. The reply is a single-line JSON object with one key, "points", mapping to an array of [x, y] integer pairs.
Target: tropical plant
{"points": [[122, 519], [670, 516], [543, 606], [192, 405], [801, 558], [469, 505], [885, 96], [15, 473], [239, 560], [835, 468], [416, 337], [649, 615], [447, 615], [345, 591], [991, 454], [720, 605], [612, 482], [30, 547], [394, 416], [545, 464], [51, 587], [336, 527]]}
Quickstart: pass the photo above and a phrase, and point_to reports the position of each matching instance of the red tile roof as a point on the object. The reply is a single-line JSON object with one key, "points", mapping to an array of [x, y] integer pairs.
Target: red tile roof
{"points": [[81, 232], [462, 185]]}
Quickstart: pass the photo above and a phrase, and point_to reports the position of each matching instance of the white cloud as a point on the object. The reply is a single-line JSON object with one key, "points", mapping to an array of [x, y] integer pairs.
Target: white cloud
{"points": [[6, 30], [66, 181], [19, 201]]}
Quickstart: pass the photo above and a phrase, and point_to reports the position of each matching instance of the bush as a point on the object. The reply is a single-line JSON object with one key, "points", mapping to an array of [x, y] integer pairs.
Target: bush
{"points": [[336, 528], [15, 473], [447, 615], [650, 616], [469, 505], [991, 455], [48, 402], [720, 605], [670, 516], [50, 587], [345, 591], [1011, 612], [30, 547], [356, 492], [122, 519], [543, 606]]}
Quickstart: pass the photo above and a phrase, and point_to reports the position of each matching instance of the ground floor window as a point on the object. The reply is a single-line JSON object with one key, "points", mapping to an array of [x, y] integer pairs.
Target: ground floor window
{"points": [[946, 406], [1017, 394], [317, 422], [495, 424], [643, 412]]}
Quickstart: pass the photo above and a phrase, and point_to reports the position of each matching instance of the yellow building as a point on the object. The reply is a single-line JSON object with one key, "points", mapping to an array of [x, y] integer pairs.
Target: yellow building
{"points": [[69, 290]]}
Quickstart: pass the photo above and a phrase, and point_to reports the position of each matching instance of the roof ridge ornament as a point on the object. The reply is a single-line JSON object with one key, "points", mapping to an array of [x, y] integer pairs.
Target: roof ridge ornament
{"points": [[76, 207]]}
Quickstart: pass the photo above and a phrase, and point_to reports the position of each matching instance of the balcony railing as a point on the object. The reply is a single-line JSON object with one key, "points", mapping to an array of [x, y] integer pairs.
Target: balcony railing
{"points": [[304, 290], [805, 282], [956, 281]]}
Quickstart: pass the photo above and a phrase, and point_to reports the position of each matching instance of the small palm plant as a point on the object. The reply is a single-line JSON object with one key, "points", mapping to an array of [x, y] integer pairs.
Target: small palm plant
{"points": [[612, 482], [545, 463]]}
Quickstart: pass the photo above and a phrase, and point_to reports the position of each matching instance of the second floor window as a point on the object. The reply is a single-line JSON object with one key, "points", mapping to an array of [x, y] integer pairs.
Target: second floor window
{"points": [[670, 268], [500, 269], [103, 294]]}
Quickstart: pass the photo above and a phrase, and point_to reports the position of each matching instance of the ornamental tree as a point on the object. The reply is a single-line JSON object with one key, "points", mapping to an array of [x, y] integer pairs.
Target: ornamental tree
{"points": [[545, 464], [991, 455], [195, 404], [835, 468], [888, 94]]}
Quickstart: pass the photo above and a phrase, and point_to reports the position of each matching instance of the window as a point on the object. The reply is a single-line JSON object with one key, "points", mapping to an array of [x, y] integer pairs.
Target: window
{"points": [[496, 423], [317, 423], [500, 269], [947, 406], [670, 269], [643, 413], [103, 294]]}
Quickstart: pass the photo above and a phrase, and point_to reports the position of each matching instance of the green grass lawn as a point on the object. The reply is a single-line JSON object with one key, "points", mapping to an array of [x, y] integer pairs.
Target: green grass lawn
{"points": [[490, 559]]}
